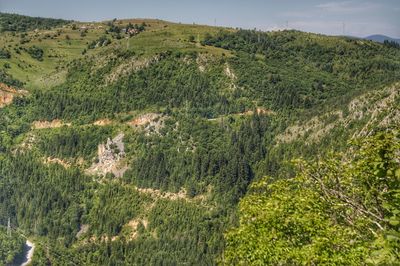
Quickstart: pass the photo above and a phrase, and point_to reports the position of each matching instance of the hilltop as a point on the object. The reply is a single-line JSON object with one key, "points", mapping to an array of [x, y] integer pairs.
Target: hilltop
{"points": [[134, 141], [381, 38], [68, 41]]}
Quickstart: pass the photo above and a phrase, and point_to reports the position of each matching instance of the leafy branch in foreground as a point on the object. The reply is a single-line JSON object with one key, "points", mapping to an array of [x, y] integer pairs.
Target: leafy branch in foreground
{"points": [[341, 210]]}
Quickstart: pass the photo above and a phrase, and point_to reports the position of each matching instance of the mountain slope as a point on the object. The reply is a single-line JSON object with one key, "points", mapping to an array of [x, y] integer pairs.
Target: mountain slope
{"points": [[135, 139]]}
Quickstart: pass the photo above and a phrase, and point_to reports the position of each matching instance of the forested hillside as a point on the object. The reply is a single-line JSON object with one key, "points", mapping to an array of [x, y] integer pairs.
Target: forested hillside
{"points": [[145, 142], [18, 23], [11, 245]]}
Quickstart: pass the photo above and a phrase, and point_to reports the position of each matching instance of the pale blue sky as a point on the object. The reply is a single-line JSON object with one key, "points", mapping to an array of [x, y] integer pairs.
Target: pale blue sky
{"points": [[361, 17]]}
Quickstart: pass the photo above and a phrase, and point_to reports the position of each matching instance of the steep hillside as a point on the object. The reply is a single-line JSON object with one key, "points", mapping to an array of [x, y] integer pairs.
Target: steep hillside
{"points": [[131, 142]]}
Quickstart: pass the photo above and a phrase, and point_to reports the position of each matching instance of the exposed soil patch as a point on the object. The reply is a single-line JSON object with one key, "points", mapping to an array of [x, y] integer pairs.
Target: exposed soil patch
{"points": [[155, 193], [259, 111], [6, 98], [181, 195], [103, 122], [50, 160], [228, 72], [28, 142], [202, 61], [49, 124], [7, 94], [84, 228], [129, 67], [133, 226], [150, 122]]}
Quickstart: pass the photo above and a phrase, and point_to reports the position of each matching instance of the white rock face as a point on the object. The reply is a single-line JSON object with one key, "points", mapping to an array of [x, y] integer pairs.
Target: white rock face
{"points": [[151, 123], [110, 155]]}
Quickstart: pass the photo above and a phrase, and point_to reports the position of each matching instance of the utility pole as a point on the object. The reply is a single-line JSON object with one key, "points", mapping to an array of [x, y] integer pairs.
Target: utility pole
{"points": [[9, 227], [287, 24], [215, 22]]}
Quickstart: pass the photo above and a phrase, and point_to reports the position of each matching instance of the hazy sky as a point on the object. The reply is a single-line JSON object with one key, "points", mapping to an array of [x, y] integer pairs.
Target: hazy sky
{"points": [[359, 17]]}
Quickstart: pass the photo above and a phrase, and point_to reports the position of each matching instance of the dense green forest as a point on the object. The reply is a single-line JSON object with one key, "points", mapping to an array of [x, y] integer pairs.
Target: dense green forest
{"points": [[18, 23], [334, 67], [177, 82], [137, 153], [10, 245]]}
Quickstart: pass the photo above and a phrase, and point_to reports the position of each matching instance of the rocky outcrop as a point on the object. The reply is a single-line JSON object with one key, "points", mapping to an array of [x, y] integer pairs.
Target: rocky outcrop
{"points": [[133, 226], [150, 122], [83, 229], [103, 122], [158, 194], [7, 94], [49, 124], [110, 157], [379, 108], [51, 160], [129, 67], [229, 73], [5, 98]]}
